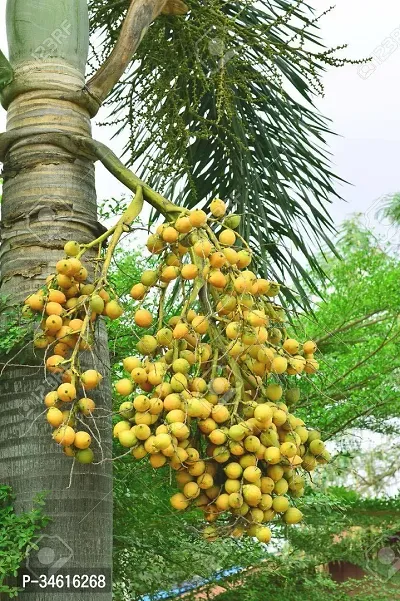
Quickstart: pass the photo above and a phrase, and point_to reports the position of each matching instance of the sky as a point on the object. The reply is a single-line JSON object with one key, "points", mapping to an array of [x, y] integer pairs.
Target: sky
{"points": [[361, 101]]}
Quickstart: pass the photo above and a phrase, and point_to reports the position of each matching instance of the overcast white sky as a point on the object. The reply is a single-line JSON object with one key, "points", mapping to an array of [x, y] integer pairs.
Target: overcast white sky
{"points": [[363, 104]]}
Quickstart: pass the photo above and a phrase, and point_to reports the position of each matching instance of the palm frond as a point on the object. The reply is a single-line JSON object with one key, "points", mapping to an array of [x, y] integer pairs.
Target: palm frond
{"points": [[219, 103]]}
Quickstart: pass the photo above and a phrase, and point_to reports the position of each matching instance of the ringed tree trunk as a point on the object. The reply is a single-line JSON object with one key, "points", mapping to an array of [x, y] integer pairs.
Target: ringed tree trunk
{"points": [[48, 198]]}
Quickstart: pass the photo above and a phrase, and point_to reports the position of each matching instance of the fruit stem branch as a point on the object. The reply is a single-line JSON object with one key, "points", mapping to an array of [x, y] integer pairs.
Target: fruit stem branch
{"points": [[72, 359], [212, 237], [194, 294], [125, 221], [112, 163], [97, 241], [216, 337], [161, 308], [239, 386], [243, 240], [214, 364], [198, 283]]}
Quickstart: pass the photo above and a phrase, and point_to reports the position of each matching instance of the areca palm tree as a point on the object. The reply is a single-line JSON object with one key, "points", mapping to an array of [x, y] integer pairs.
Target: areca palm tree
{"points": [[217, 99]]}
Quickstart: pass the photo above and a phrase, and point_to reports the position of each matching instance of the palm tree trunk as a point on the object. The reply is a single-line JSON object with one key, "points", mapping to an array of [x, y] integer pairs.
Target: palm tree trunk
{"points": [[49, 197]]}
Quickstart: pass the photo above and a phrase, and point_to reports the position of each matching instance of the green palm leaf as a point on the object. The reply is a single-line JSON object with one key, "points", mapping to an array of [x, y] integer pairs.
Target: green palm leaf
{"points": [[219, 103]]}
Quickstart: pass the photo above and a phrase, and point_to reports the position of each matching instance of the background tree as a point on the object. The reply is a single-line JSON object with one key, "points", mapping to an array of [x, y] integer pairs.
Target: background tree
{"points": [[357, 330]]}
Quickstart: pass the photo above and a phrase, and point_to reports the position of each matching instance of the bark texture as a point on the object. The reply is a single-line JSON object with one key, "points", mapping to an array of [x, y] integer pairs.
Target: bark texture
{"points": [[48, 198]]}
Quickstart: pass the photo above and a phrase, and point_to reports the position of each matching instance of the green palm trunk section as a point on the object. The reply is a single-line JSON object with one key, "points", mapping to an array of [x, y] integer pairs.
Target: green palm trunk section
{"points": [[59, 30], [49, 197]]}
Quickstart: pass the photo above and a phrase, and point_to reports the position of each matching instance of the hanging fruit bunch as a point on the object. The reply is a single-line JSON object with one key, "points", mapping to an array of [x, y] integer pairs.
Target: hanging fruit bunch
{"points": [[68, 306], [210, 393]]}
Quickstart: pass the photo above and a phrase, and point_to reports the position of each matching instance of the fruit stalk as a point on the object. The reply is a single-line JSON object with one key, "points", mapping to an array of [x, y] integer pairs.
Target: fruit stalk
{"points": [[124, 222]]}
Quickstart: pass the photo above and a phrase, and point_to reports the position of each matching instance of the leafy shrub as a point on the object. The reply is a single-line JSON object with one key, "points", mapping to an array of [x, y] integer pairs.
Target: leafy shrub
{"points": [[18, 532]]}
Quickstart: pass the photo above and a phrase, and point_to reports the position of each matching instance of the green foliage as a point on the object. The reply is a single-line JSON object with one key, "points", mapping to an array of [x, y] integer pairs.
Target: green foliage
{"points": [[292, 582], [122, 337], [371, 471], [298, 580], [112, 208], [357, 329], [339, 527], [18, 532], [343, 526], [220, 103], [14, 329], [154, 546], [6, 72]]}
